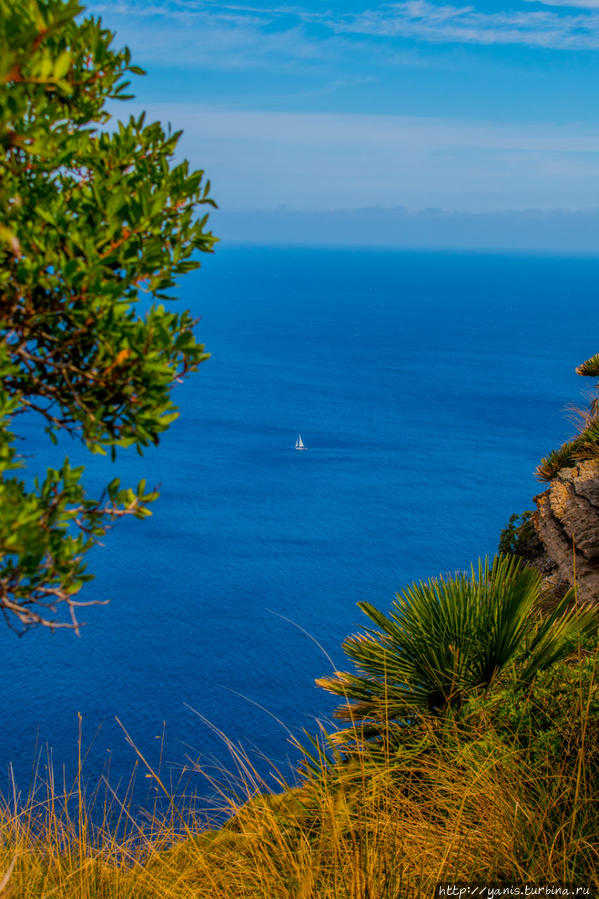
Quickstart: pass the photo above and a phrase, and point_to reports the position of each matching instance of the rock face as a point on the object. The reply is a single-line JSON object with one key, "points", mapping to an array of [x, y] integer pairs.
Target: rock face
{"points": [[567, 523]]}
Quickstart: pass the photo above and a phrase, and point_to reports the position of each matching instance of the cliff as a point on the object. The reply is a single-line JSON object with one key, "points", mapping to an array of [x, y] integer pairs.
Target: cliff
{"points": [[566, 521]]}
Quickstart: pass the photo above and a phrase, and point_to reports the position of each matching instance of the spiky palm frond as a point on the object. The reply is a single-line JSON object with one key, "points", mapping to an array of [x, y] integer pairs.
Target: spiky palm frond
{"points": [[450, 636], [555, 634], [564, 457], [589, 439], [586, 444], [590, 368], [581, 448]]}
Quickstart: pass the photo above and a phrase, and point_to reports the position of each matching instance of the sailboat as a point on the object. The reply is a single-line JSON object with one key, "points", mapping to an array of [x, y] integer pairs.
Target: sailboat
{"points": [[299, 443]]}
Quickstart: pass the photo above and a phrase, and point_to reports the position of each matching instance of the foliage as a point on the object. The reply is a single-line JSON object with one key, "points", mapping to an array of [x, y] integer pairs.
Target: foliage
{"points": [[583, 447], [503, 793], [451, 637], [519, 537], [545, 721], [94, 216], [586, 444], [590, 368]]}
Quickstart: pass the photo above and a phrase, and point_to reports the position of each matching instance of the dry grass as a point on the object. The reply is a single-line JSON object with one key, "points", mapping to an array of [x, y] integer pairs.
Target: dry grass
{"points": [[458, 806]]}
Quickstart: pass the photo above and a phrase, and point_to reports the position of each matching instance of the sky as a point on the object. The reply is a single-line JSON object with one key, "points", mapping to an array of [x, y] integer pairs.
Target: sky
{"points": [[482, 109]]}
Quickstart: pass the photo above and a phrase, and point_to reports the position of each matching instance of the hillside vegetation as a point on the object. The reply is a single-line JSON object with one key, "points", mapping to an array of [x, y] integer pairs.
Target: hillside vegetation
{"points": [[498, 787]]}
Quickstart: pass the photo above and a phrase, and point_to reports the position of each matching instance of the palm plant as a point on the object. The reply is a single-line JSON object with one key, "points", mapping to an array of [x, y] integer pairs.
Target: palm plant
{"points": [[582, 447], [586, 444], [450, 637]]}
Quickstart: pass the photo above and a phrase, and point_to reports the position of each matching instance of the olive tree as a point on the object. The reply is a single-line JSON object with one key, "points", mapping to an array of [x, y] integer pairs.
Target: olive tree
{"points": [[95, 215]]}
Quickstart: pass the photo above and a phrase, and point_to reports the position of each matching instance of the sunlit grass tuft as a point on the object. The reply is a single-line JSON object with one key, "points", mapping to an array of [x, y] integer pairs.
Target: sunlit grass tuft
{"points": [[500, 793]]}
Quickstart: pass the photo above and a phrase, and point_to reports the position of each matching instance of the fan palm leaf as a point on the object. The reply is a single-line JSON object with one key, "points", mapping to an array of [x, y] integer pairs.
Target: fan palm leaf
{"points": [[451, 636]]}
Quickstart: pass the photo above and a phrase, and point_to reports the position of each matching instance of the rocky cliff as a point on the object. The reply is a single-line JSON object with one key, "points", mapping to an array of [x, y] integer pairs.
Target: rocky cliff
{"points": [[566, 521]]}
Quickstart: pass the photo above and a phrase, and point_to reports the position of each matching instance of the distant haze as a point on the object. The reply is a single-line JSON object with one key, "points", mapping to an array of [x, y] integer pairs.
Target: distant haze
{"points": [[537, 230], [337, 121]]}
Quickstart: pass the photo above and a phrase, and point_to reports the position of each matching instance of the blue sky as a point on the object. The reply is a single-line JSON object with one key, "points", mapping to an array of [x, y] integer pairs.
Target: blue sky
{"points": [[481, 107]]}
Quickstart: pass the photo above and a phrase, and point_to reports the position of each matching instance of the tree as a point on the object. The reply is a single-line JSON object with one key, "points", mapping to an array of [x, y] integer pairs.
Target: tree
{"points": [[92, 219]]}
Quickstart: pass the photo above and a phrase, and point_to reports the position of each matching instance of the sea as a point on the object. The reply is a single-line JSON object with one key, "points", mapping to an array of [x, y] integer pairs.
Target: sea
{"points": [[426, 386]]}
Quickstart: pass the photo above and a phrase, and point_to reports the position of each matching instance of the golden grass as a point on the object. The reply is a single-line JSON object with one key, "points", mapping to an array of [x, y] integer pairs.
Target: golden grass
{"points": [[460, 805]]}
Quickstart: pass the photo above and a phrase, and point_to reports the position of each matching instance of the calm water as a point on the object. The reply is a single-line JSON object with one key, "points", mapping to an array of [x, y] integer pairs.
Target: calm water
{"points": [[426, 386]]}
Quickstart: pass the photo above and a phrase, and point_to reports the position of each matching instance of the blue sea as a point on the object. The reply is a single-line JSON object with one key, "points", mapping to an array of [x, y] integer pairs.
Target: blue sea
{"points": [[426, 387]]}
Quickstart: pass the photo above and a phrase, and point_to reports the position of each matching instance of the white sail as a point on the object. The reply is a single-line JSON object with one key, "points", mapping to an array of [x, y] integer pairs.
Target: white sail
{"points": [[299, 443]]}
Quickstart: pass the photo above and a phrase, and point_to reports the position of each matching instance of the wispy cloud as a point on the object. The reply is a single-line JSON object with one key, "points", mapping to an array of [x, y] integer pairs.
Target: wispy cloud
{"points": [[579, 4], [437, 23], [256, 68], [196, 36], [260, 159], [234, 34], [338, 130]]}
